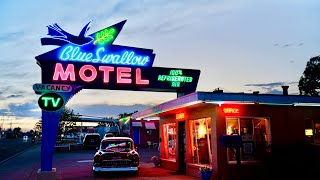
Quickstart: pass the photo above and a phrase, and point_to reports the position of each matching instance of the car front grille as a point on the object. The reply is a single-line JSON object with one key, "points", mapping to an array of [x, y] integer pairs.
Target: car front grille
{"points": [[117, 163]]}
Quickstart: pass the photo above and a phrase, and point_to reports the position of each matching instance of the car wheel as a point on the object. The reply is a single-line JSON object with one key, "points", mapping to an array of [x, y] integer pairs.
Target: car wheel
{"points": [[135, 173], [96, 173]]}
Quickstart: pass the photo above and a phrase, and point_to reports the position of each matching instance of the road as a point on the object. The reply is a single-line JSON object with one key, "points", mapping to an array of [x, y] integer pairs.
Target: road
{"points": [[11, 147], [78, 165]]}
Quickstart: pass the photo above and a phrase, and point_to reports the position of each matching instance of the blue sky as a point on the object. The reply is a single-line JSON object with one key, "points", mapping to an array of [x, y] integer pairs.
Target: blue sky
{"points": [[239, 46]]}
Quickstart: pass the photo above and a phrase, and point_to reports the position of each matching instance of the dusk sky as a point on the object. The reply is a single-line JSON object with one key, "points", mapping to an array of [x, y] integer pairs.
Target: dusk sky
{"points": [[239, 46]]}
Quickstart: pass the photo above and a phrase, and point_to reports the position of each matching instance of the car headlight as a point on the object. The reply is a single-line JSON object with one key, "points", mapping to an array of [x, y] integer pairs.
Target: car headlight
{"points": [[97, 159], [136, 160]]}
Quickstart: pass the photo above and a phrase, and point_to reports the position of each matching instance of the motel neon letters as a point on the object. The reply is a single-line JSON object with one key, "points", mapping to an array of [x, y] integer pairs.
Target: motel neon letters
{"points": [[88, 73]]}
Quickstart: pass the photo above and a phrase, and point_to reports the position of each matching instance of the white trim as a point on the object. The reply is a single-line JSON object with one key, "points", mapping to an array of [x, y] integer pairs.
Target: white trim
{"points": [[102, 169]]}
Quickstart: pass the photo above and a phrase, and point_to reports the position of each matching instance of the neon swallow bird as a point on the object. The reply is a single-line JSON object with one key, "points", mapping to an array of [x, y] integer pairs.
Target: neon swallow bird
{"points": [[60, 37]]}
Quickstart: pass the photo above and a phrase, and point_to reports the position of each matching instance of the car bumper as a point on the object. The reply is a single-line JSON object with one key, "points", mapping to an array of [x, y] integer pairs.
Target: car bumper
{"points": [[103, 169]]}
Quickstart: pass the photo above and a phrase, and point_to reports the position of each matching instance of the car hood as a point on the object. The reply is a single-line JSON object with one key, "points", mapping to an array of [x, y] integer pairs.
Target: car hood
{"points": [[114, 155]]}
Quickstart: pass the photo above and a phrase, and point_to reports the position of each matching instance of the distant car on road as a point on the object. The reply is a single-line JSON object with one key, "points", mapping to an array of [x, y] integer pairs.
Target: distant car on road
{"points": [[91, 141], [116, 154], [109, 135]]}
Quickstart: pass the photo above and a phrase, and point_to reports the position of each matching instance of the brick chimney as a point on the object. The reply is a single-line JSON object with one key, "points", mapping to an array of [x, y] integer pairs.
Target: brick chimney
{"points": [[285, 90]]}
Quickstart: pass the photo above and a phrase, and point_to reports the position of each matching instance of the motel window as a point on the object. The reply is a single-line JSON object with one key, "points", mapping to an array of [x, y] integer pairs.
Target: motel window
{"points": [[169, 140], [312, 131], [317, 132], [255, 137], [200, 133]]}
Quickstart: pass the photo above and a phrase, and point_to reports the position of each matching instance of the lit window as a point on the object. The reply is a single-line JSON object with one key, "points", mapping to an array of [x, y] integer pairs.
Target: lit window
{"points": [[200, 130], [255, 135], [169, 140]]}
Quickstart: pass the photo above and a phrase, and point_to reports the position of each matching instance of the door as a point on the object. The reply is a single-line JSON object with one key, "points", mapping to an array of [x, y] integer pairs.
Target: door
{"points": [[182, 146], [136, 135]]}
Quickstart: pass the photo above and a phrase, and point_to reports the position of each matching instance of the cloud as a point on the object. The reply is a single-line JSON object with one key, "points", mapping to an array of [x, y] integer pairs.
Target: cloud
{"points": [[267, 84], [12, 36], [15, 96], [273, 91], [24, 109], [271, 88]]}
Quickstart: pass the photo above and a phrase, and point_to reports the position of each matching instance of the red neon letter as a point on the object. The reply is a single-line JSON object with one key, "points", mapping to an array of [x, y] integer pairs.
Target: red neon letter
{"points": [[106, 71], [90, 68], [122, 73], [58, 72], [138, 77]]}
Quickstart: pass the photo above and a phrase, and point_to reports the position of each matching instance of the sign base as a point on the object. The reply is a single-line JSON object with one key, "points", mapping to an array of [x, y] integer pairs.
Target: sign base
{"points": [[46, 175]]}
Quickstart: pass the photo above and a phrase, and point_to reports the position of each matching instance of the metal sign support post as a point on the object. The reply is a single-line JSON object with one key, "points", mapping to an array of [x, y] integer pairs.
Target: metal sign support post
{"points": [[50, 123]]}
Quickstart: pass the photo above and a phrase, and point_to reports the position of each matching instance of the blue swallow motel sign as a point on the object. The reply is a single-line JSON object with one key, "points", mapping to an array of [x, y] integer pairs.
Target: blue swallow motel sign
{"points": [[94, 62]]}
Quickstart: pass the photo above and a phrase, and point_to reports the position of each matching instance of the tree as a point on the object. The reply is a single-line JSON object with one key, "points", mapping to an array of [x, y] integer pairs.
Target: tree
{"points": [[17, 131], [123, 115], [122, 128], [67, 120], [38, 126], [309, 83]]}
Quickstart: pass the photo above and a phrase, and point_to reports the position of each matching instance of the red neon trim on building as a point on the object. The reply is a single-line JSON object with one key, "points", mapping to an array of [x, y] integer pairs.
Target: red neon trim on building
{"points": [[122, 74], [138, 77], [106, 71], [87, 68], [59, 72]]}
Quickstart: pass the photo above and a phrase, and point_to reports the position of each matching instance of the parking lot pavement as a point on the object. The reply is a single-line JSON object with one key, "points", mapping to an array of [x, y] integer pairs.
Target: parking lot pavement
{"points": [[147, 172], [80, 167], [77, 165]]}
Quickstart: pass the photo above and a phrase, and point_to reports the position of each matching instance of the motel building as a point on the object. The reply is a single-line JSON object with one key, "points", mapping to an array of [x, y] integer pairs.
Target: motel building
{"points": [[193, 126]]}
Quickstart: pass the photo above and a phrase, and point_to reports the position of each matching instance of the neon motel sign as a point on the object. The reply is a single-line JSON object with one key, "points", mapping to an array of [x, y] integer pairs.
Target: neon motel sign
{"points": [[94, 62], [123, 74]]}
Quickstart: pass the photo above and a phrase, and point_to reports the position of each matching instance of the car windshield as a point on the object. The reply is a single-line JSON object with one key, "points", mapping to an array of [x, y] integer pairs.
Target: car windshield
{"points": [[116, 145]]}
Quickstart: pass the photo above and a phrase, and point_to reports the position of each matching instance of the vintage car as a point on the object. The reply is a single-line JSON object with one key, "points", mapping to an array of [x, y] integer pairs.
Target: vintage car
{"points": [[116, 154]]}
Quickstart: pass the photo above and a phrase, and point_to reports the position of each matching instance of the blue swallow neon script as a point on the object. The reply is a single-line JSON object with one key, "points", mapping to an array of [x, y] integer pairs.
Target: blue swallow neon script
{"points": [[74, 53]]}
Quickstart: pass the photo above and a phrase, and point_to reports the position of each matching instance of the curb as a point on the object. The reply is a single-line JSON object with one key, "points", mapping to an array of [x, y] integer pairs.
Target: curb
{"points": [[3, 161]]}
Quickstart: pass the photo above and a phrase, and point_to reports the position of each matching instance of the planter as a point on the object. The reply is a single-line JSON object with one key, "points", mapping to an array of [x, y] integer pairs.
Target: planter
{"points": [[157, 162], [206, 175]]}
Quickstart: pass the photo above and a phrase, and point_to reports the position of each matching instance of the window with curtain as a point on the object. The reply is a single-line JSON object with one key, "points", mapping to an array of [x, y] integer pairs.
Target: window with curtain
{"points": [[169, 140], [255, 137], [200, 133]]}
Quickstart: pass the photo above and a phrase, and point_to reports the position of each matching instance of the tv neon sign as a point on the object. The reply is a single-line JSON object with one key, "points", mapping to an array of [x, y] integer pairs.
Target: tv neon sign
{"points": [[175, 77], [50, 102]]}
